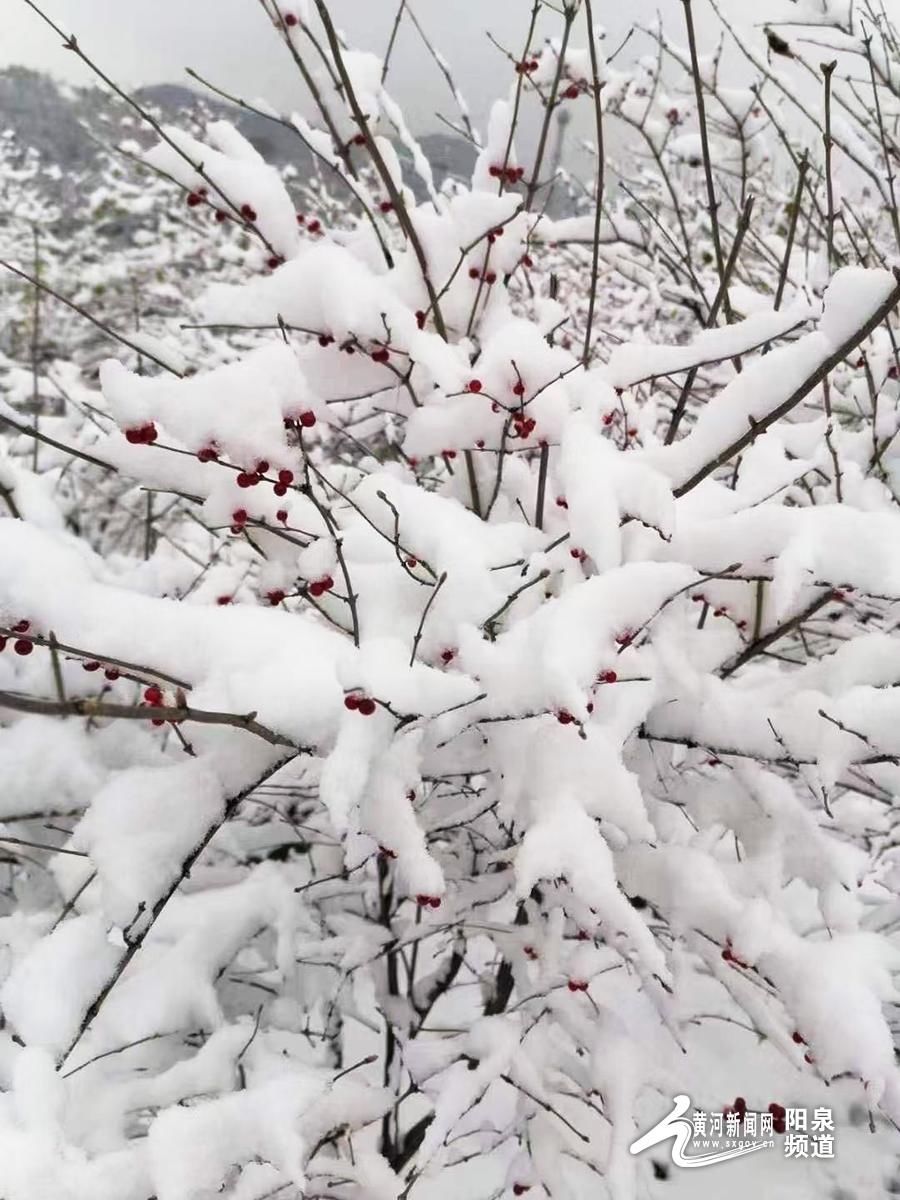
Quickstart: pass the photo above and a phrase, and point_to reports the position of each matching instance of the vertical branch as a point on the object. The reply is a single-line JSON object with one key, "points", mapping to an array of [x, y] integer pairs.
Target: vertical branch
{"points": [[390, 46], [889, 171], [598, 210], [534, 182], [381, 166], [828, 71], [35, 342], [712, 203], [792, 231]]}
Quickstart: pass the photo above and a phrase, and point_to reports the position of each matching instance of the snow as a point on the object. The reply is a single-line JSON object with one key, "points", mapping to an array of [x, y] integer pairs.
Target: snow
{"points": [[517, 762]]}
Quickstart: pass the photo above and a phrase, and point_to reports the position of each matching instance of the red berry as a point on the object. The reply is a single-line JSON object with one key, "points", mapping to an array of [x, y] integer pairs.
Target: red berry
{"points": [[325, 339], [291, 19], [561, 502], [359, 139], [327, 583], [422, 900], [366, 706], [280, 489], [221, 215], [351, 701], [494, 171], [447, 656], [208, 454], [193, 200], [420, 319], [530, 952], [286, 477], [23, 647], [381, 355], [475, 385], [275, 597], [740, 1105], [281, 515], [301, 219], [21, 627], [244, 480], [111, 673], [434, 901], [307, 419], [223, 600], [248, 212], [448, 453], [274, 260], [571, 93], [474, 273], [480, 444], [608, 677], [519, 1189], [90, 666], [314, 226], [564, 717], [625, 638], [519, 388], [412, 562], [491, 278], [386, 206], [153, 695], [527, 261], [798, 1038], [239, 516]]}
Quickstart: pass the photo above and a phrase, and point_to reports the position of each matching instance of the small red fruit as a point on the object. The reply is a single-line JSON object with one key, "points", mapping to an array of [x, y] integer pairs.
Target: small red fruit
{"points": [[90, 666], [447, 656], [208, 454], [223, 600], [564, 717], [519, 1189], [475, 385], [474, 273], [351, 701], [798, 1037], [314, 226], [23, 647], [193, 199], [275, 597], [239, 516], [571, 92], [291, 19], [412, 562], [282, 516], [21, 627], [420, 319], [307, 419], [366, 706], [286, 477], [607, 677], [248, 212], [519, 388], [111, 673], [381, 355], [386, 206]]}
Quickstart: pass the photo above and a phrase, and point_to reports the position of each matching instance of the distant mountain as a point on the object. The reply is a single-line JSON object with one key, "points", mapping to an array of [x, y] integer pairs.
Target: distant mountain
{"points": [[67, 126]]}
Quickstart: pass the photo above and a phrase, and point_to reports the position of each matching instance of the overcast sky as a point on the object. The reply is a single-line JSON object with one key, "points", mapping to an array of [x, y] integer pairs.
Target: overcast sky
{"points": [[149, 41]]}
